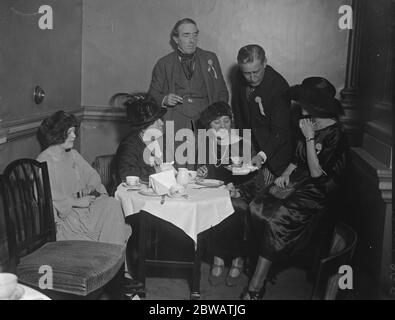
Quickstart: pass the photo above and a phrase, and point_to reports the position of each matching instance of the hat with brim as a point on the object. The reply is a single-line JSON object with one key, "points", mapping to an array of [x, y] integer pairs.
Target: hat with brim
{"points": [[316, 95], [141, 109], [140, 114]]}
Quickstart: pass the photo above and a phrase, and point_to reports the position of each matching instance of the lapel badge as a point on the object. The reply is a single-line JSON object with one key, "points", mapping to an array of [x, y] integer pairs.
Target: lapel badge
{"points": [[258, 100], [211, 68]]}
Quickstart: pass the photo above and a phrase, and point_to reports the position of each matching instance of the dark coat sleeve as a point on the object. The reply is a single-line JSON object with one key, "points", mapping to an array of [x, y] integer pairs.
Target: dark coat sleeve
{"points": [[278, 133], [130, 161], [237, 104]]}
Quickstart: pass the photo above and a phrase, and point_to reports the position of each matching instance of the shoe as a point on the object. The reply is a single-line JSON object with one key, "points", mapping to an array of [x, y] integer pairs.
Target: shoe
{"points": [[131, 284], [232, 281], [251, 295], [133, 289], [216, 278], [254, 295], [134, 296]]}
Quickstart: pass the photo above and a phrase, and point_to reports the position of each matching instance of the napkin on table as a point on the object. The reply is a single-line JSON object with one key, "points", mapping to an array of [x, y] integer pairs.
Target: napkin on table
{"points": [[161, 182]]}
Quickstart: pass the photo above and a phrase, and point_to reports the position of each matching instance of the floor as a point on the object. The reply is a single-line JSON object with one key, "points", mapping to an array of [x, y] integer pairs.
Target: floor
{"points": [[291, 284], [172, 284]]}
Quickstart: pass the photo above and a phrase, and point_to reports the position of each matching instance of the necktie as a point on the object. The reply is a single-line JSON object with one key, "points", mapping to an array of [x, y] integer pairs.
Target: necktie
{"points": [[187, 63]]}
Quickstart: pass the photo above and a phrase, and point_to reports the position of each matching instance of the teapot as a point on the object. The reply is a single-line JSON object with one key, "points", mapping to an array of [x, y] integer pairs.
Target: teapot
{"points": [[183, 176]]}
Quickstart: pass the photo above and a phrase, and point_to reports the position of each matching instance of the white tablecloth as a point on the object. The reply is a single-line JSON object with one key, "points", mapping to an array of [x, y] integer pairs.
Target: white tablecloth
{"points": [[204, 208]]}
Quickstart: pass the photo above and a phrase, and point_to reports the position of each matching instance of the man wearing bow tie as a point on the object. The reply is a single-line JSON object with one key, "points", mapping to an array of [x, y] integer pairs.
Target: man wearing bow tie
{"points": [[187, 80], [259, 104]]}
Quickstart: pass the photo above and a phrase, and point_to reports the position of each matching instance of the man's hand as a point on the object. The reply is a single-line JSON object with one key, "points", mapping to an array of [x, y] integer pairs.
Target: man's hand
{"points": [[202, 172], [172, 99], [234, 193], [257, 161]]}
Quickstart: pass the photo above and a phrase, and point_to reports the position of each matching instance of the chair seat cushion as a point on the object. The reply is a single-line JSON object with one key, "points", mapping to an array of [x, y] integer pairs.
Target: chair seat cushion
{"points": [[79, 267]]}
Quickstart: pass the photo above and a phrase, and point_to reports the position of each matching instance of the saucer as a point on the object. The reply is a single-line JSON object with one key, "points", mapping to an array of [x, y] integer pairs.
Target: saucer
{"points": [[149, 193], [241, 171], [136, 187], [210, 183]]}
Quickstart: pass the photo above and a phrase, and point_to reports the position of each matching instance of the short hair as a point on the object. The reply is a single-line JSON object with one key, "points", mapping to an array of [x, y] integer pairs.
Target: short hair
{"points": [[174, 31], [53, 130], [250, 53]]}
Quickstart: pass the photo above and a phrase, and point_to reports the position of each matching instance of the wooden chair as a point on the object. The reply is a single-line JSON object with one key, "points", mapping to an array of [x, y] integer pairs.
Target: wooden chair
{"points": [[342, 249], [79, 269], [105, 166]]}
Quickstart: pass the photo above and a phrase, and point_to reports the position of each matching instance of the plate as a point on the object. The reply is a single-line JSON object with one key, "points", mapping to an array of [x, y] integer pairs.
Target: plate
{"points": [[18, 293], [149, 193], [136, 187], [210, 183], [241, 171]]}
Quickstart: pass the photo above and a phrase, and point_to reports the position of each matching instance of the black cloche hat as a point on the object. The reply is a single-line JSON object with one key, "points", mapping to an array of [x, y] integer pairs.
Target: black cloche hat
{"points": [[214, 111]]}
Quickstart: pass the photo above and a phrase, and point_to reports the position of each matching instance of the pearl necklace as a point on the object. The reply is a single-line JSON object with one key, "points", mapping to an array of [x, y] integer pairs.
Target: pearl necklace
{"points": [[222, 158]]}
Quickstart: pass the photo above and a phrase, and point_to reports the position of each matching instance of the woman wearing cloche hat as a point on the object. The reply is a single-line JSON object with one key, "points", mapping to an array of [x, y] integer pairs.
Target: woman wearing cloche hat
{"points": [[286, 216], [226, 238]]}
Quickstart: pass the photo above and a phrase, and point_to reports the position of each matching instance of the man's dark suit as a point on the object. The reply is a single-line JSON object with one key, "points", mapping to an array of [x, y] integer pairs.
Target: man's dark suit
{"points": [[269, 120]]}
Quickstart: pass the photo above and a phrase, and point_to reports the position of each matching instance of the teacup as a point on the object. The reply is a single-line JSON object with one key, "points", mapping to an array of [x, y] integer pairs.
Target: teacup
{"points": [[132, 181], [236, 161], [192, 175], [8, 282]]}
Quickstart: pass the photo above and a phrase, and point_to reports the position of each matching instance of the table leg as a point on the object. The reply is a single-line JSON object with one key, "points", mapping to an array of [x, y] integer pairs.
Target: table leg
{"points": [[195, 290], [142, 248]]}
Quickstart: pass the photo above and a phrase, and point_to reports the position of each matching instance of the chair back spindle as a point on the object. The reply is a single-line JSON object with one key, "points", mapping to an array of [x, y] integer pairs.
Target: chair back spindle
{"points": [[28, 207], [105, 167]]}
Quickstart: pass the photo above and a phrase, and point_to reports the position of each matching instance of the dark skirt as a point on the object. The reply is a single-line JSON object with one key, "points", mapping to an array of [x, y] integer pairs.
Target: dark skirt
{"points": [[282, 228], [227, 239]]}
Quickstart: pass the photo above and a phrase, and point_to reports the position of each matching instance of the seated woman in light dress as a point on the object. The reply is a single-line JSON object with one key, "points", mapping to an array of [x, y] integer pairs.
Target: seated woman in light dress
{"points": [[83, 210]]}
